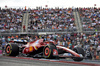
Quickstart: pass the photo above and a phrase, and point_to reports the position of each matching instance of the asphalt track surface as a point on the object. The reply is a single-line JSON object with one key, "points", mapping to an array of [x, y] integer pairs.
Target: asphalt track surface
{"points": [[24, 61]]}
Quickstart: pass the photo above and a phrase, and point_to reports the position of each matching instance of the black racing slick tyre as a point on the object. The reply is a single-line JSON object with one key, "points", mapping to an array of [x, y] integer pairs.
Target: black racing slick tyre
{"points": [[79, 51], [12, 50], [48, 52]]}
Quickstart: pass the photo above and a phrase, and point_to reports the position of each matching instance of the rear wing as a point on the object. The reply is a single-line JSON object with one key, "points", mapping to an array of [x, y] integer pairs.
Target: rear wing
{"points": [[18, 41]]}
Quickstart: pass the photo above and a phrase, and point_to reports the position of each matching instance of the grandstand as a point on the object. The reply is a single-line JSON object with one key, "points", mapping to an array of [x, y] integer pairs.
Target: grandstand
{"points": [[10, 20], [49, 20], [90, 18]]}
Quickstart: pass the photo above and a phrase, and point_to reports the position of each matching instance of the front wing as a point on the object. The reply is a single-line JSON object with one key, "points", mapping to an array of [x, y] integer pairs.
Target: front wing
{"points": [[70, 54]]}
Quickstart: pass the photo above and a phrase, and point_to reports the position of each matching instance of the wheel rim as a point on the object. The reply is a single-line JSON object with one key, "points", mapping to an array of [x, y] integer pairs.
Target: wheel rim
{"points": [[47, 51], [8, 49]]}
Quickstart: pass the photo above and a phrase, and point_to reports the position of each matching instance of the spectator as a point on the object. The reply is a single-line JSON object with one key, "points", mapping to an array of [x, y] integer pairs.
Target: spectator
{"points": [[90, 18], [51, 19], [11, 19], [3, 46]]}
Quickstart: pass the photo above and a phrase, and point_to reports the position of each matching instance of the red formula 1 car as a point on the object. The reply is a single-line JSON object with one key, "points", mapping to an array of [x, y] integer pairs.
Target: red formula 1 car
{"points": [[46, 49]]}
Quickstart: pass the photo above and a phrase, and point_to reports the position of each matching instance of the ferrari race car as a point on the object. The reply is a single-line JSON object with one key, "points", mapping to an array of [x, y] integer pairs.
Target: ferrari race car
{"points": [[44, 49]]}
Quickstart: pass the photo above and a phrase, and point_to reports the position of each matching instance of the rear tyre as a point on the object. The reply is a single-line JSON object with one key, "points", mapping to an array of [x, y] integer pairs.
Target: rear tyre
{"points": [[48, 51], [12, 50], [79, 51]]}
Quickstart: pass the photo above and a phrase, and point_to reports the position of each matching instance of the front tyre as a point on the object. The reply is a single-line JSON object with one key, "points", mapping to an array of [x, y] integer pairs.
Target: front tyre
{"points": [[12, 50], [49, 50], [79, 51]]}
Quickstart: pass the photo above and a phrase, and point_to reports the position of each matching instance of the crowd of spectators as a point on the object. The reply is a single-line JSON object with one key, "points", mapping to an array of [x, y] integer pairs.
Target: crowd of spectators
{"points": [[11, 19], [90, 18], [51, 19]]}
